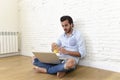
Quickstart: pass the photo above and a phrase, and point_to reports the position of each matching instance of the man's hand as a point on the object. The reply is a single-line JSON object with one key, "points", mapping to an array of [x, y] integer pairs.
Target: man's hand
{"points": [[72, 53], [54, 46], [63, 51]]}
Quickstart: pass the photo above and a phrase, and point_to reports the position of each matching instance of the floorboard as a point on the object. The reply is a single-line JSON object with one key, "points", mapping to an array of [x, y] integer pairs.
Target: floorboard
{"points": [[20, 68]]}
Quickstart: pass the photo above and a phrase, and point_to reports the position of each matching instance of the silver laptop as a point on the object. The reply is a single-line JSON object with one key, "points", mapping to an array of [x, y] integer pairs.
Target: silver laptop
{"points": [[47, 57]]}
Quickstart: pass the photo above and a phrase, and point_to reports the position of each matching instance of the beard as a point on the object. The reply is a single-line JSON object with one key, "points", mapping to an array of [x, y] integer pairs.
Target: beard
{"points": [[68, 30]]}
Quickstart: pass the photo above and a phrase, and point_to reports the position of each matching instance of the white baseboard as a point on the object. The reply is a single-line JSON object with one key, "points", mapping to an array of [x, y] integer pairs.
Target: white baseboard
{"points": [[102, 65], [9, 54]]}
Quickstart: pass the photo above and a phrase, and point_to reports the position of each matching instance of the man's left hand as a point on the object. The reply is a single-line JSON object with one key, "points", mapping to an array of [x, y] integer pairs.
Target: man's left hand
{"points": [[63, 51]]}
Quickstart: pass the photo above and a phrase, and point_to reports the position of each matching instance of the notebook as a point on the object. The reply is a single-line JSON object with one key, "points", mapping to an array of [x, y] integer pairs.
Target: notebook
{"points": [[48, 57]]}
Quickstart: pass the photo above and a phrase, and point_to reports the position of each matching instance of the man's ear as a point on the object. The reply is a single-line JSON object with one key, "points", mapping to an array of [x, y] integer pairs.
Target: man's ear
{"points": [[72, 24]]}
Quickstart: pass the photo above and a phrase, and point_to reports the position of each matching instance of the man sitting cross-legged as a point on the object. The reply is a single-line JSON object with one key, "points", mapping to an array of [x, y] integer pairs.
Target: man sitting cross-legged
{"points": [[70, 46]]}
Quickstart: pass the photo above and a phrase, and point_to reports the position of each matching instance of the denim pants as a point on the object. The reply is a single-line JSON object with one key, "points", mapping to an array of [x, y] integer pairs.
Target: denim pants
{"points": [[51, 68]]}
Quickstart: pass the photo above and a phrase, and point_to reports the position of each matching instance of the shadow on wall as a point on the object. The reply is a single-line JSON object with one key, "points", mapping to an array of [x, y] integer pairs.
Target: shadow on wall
{"points": [[82, 27]]}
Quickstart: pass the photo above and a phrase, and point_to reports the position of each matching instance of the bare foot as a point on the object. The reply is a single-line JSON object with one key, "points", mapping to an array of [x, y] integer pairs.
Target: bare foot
{"points": [[40, 70], [61, 74]]}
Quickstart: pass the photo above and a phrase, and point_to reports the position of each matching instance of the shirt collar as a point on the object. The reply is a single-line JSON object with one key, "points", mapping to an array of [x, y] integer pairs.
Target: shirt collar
{"points": [[73, 32]]}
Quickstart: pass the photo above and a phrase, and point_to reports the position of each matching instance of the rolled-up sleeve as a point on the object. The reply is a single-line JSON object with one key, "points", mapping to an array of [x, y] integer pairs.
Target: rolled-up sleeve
{"points": [[81, 46]]}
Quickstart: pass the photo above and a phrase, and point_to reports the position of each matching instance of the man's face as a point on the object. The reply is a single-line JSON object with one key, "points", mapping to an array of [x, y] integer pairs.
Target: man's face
{"points": [[66, 26]]}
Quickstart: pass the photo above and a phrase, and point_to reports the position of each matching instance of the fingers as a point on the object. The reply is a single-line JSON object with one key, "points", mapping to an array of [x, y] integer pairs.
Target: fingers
{"points": [[54, 46], [62, 50]]}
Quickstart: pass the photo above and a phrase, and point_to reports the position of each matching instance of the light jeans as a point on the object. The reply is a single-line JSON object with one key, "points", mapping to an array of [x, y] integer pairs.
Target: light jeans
{"points": [[52, 68]]}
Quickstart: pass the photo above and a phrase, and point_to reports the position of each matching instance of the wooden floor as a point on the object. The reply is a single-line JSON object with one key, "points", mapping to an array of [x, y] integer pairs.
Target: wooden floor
{"points": [[20, 68]]}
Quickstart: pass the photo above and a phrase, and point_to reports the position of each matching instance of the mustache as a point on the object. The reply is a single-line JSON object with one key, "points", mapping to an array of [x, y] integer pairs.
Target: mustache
{"points": [[65, 29]]}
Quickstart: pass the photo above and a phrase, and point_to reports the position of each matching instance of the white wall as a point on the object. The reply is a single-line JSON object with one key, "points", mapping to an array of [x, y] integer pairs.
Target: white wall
{"points": [[98, 20], [9, 15]]}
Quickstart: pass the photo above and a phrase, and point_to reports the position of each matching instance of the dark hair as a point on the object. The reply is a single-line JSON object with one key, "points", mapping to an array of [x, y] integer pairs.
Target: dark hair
{"points": [[63, 18]]}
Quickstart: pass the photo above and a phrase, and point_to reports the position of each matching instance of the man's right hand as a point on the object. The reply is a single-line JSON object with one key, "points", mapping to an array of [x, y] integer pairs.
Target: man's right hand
{"points": [[54, 46]]}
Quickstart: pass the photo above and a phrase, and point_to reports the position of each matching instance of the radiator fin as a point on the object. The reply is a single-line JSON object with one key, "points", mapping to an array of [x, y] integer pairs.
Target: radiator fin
{"points": [[8, 42]]}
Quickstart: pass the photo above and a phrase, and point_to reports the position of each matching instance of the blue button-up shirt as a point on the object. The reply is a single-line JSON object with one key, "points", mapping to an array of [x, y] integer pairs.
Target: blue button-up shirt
{"points": [[74, 42]]}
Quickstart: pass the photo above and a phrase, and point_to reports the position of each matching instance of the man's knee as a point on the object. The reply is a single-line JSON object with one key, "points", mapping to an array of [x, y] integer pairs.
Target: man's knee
{"points": [[70, 63]]}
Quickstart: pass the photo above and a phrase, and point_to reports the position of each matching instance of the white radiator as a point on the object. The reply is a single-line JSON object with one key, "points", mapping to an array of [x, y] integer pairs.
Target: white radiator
{"points": [[8, 42]]}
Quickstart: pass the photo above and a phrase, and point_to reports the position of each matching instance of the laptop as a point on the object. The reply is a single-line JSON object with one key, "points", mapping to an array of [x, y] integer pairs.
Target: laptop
{"points": [[48, 57]]}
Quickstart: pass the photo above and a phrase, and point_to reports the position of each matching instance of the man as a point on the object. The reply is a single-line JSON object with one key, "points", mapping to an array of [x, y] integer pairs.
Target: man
{"points": [[70, 46]]}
